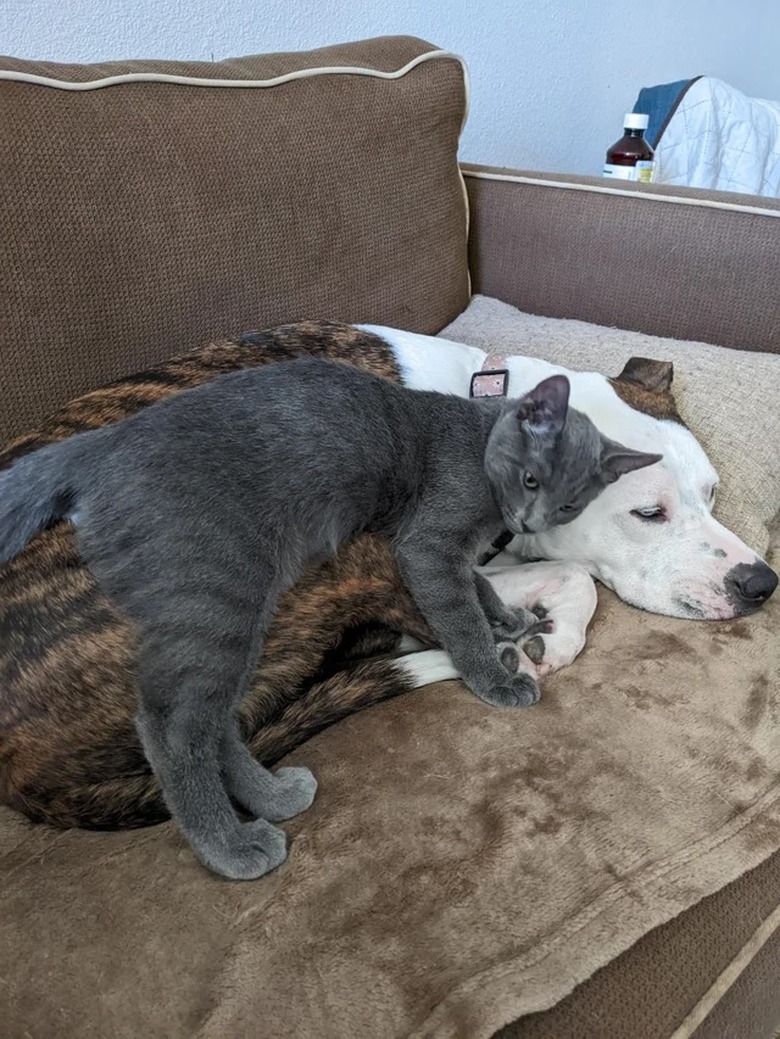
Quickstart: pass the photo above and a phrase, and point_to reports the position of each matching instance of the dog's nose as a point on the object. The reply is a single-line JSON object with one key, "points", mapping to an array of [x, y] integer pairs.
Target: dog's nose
{"points": [[749, 585]]}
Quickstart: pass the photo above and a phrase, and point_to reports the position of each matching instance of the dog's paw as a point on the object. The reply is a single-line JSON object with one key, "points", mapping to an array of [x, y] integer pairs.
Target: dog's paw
{"points": [[245, 853], [559, 647], [519, 691], [534, 649]]}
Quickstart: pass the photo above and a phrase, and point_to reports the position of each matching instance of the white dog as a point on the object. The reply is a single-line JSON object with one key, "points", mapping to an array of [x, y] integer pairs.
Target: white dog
{"points": [[651, 537]]}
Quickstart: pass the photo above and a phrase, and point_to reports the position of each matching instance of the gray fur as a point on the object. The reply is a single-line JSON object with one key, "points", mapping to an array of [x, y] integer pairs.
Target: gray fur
{"points": [[196, 513]]}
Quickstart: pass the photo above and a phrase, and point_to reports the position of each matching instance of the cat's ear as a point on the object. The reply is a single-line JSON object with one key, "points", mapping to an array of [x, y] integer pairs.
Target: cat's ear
{"points": [[617, 460], [543, 409]]}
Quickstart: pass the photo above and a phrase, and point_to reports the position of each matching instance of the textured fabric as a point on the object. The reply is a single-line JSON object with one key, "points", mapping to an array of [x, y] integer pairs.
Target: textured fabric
{"points": [[729, 398], [751, 1007], [629, 259], [461, 866], [649, 990], [141, 219], [764, 934]]}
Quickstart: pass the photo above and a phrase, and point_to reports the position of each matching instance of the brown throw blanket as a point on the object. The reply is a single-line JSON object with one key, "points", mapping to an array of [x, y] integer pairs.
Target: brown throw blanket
{"points": [[461, 866]]}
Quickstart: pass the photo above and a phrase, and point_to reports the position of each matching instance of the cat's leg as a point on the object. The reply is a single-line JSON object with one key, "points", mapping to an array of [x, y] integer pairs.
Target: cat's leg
{"points": [[445, 591], [508, 623], [190, 680], [274, 796], [563, 593]]}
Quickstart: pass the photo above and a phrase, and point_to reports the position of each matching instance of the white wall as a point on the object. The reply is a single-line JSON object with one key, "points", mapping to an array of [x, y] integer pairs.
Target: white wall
{"points": [[550, 78]]}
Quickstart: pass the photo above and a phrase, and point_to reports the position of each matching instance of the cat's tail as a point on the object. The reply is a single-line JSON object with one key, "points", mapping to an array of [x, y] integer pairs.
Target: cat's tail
{"points": [[35, 493]]}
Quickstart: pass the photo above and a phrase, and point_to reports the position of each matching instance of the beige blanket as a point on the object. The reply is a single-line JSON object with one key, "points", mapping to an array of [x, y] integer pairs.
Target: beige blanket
{"points": [[462, 865]]}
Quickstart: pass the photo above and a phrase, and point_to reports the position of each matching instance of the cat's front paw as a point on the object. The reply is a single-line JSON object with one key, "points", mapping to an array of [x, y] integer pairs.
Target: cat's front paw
{"points": [[518, 624], [249, 851], [520, 690], [292, 792]]}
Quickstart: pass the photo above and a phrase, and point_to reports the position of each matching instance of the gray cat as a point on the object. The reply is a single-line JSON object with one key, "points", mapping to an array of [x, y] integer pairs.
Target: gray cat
{"points": [[196, 513]]}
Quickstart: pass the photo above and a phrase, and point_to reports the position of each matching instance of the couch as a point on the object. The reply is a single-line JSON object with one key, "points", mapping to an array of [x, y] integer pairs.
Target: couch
{"points": [[424, 888]]}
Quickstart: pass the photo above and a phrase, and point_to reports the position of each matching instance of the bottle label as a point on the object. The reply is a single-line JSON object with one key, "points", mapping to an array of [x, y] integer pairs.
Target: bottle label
{"points": [[642, 171]]}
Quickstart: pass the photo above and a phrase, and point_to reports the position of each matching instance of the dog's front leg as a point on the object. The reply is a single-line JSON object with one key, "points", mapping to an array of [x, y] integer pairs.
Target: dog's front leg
{"points": [[564, 593]]}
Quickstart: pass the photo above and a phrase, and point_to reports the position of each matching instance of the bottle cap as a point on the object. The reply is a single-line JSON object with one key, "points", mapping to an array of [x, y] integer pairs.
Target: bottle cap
{"points": [[635, 121]]}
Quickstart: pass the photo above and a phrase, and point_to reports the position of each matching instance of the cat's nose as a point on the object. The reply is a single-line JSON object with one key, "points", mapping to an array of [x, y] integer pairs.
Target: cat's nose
{"points": [[525, 528]]}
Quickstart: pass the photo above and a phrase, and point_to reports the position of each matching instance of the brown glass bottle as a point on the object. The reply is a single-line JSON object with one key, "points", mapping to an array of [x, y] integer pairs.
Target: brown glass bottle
{"points": [[631, 158]]}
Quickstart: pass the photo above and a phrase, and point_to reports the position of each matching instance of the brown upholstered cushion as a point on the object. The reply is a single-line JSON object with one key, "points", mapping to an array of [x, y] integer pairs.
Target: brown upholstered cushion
{"points": [[140, 219], [655, 258]]}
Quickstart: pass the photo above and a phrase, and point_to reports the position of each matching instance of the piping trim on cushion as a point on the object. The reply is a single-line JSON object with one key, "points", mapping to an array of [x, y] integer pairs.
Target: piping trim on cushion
{"points": [[204, 81], [728, 976], [540, 182]]}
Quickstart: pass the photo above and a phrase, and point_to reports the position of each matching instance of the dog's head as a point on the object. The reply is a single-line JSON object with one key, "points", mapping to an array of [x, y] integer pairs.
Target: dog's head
{"points": [[651, 537]]}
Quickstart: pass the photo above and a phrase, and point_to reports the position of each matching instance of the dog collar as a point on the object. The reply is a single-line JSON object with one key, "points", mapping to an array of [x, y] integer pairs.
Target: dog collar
{"points": [[492, 380], [497, 546]]}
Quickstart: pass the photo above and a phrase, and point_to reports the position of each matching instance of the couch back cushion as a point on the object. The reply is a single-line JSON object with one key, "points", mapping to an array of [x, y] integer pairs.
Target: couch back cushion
{"points": [[142, 218]]}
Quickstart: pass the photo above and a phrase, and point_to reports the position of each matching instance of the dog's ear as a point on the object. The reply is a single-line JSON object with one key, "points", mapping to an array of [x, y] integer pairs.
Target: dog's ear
{"points": [[617, 460], [543, 409], [655, 376]]}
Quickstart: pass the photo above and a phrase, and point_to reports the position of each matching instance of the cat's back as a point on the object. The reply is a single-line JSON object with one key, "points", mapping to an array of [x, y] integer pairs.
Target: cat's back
{"points": [[328, 421], [305, 392]]}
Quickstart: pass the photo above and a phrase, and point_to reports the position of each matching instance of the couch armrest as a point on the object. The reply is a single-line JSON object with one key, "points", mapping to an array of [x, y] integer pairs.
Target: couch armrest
{"points": [[668, 261]]}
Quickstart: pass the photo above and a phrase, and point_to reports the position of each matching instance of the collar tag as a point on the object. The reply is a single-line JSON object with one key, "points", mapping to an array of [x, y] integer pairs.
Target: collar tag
{"points": [[491, 382]]}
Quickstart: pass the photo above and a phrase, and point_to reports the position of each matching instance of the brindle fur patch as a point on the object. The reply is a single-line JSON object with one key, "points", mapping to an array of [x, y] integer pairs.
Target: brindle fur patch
{"points": [[69, 754]]}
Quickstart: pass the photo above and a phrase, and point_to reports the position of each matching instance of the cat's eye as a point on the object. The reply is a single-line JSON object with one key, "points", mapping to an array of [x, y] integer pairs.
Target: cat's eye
{"points": [[711, 496], [568, 508], [652, 514], [530, 481]]}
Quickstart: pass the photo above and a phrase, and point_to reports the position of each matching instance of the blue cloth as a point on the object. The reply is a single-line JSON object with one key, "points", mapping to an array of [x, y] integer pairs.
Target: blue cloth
{"points": [[658, 102]]}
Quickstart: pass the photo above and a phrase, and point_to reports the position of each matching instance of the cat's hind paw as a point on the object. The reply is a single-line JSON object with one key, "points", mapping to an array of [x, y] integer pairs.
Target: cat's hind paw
{"points": [[274, 796], [292, 792], [245, 853]]}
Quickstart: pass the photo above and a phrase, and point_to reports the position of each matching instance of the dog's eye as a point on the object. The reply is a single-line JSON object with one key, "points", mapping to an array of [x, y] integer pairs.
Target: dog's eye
{"points": [[530, 481], [652, 514]]}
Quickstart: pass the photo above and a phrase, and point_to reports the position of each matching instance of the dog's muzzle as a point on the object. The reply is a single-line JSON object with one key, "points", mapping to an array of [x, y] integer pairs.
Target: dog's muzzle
{"points": [[749, 585]]}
